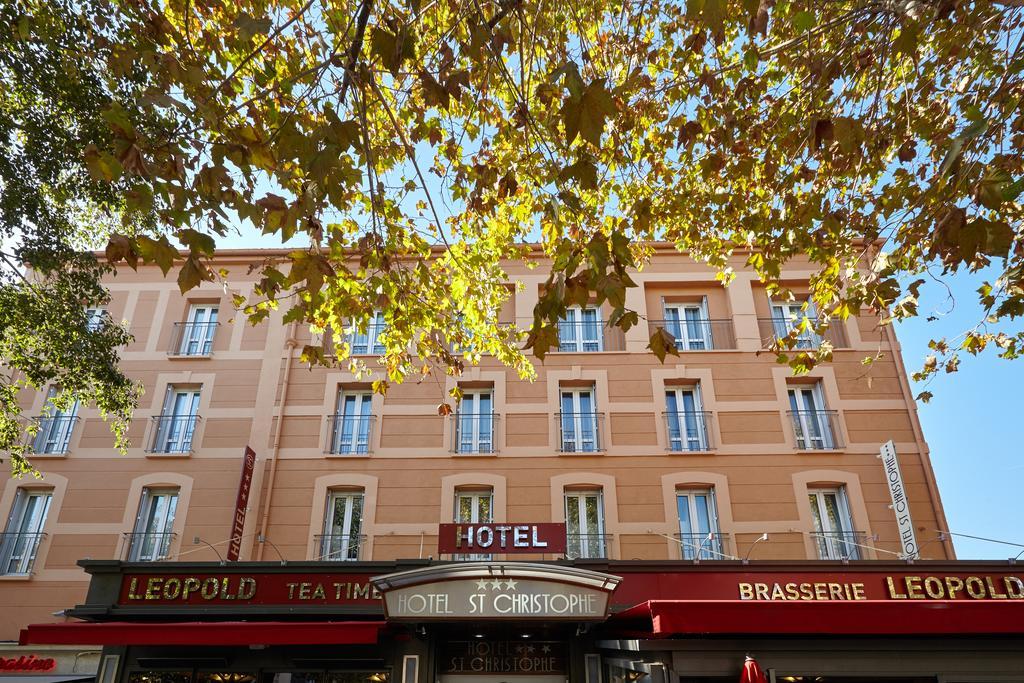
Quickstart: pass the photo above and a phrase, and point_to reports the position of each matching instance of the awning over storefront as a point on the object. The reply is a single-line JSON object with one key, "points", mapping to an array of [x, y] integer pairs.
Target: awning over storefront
{"points": [[663, 618], [205, 633]]}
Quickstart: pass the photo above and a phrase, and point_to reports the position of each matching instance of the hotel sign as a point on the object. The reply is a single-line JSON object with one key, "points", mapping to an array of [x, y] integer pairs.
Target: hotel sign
{"points": [[504, 537], [900, 504], [503, 657], [496, 590]]}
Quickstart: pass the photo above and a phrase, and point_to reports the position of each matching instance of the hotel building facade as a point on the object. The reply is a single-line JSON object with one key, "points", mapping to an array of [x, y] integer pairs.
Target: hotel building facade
{"points": [[646, 491]]}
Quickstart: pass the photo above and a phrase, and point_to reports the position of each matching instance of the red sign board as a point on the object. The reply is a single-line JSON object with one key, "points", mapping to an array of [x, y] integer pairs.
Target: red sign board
{"points": [[501, 537], [27, 663], [174, 588], [241, 503]]}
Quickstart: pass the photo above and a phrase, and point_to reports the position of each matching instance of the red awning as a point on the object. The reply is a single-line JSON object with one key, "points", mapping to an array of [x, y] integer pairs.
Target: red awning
{"points": [[205, 633], [860, 617]]}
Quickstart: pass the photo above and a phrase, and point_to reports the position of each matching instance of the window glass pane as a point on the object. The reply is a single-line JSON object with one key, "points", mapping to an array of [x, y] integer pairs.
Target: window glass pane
{"points": [[485, 508], [836, 523], [700, 501], [160, 677], [572, 514], [683, 504]]}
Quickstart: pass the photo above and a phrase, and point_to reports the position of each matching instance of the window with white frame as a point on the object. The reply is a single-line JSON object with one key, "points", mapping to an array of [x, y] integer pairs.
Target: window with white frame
{"points": [[787, 315], [24, 530], [584, 525], [698, 524], [474, 506], [353, 419], [812, 423], [365, 343], [55, 426], [689, 324], [154, 525], [579, 421], [686, 419], [176, 424], [833, 534], [343, 523], [581, 330], [198, 330], [474, 423], [94, 316]]}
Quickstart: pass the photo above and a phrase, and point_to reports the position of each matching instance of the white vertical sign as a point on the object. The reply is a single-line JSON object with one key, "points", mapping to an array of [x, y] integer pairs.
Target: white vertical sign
{"points": [[900, 504]]}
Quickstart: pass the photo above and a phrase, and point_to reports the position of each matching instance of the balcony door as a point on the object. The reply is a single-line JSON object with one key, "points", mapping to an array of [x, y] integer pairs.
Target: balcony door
{"points": [[690, 326], [476, 423], [581, 330], [833, 526], [177, 422], [24, 531], [474, 507], [811, 425], [364, 343], [579, 421], [342, 526], [788, 314], [154, 526], [584, 525], [55, 426], [687, 430], [352, 423], [698, 524], [197, 337]]}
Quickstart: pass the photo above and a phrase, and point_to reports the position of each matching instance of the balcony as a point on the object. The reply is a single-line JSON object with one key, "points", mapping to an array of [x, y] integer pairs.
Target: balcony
{"points": [[580, 432], [192, 339], [147, 546], [688, 431], [173, 433], [839, 545], [698, 335], [589, 336], [350, 434], [587, 546], [18, 552], [702, 546], [339, 547], [816, 430], [54, 434], [474, 433], [773, 329]]}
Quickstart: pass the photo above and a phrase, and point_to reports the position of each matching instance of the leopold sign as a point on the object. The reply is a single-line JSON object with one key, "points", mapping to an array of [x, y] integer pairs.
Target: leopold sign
{"points": [[504, 537], [496, 590]]}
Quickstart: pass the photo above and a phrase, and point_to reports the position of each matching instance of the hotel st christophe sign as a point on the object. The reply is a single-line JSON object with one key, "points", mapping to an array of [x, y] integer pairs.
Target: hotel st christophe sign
{"points": [[496, 590]]}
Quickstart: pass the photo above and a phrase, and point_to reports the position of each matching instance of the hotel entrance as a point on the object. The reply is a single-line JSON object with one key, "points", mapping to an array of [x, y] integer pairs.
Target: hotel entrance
{"points": [[504, 679]]}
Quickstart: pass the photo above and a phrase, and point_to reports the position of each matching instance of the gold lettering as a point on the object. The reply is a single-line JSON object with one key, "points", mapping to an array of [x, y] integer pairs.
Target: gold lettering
{"points": [[893, 593], [246, 588], [318, 592], [777, 593], [835, 591], [746, 591], [792, 591], [153, 587], [291, 590], [131, 590], [1014, 587], [304, 589], [992, 591], [210, 588], [189, 585], [806, 591], [821, 591], [361, 592], [858, 592], [172, 589], [761, 591], [224, 595], [933, 587], [914, 587], [975, 581], [953, 584]]}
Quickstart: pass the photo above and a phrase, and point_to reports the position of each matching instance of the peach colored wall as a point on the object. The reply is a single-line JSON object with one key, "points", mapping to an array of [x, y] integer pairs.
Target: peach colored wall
{"points": [[410, 475]]}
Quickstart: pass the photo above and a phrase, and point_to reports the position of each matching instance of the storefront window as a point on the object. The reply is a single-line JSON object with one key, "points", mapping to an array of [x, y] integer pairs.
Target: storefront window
{"points": [[160, 677], [224, 677], [328, 677]]}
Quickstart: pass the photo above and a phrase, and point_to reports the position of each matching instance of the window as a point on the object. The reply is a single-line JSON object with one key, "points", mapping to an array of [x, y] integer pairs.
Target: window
{"points": [[578, 420], [24, 531], [580, 330], [698, 524], [342, 526], [686, 419], [151, 540], [833, 526], [177, 422], [351, 430], [196, 333], [474, 507], [812, 424], [584, 525], [368, 342], [787, 315], [474, 423], [94, 317], [690, 326], [55, 426]]}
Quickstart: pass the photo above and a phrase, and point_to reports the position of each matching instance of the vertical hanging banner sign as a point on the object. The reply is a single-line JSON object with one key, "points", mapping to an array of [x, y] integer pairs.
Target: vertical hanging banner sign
{"points": [[241, 503], [900, 504]]}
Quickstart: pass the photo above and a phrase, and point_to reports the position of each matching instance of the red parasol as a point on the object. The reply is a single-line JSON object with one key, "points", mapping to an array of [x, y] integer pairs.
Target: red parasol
{"points": [[752, 673]]}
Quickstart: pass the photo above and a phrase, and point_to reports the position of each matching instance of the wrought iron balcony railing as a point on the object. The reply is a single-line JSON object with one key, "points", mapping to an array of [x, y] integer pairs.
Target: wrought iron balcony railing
{"points": [[587, 546], [18, 551], [589, 336], [54, 433], [350, 434], [192, 339], [339, 547], [698, 335], [775, 328], [816, 430], [173, 433], [474, 433], [580, 432], [702, 546], [688, 430], [147, 546], [839, 545]]}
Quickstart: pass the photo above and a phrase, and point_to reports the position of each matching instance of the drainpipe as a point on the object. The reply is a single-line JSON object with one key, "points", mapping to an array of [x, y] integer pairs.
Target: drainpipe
{"points": [[922, 447], [290, 344]]}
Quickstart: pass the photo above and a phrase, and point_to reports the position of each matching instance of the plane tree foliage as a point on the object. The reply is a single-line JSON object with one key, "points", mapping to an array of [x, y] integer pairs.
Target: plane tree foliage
{"points": [[411, 146]]}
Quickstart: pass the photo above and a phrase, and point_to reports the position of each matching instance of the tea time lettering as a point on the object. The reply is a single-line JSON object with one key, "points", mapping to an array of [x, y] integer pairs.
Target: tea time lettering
{"points": [[897, 588], [190, 588]]}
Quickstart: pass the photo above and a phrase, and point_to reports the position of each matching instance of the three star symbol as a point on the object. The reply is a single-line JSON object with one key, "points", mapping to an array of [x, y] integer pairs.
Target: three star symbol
{"points": [[496, 584]]}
